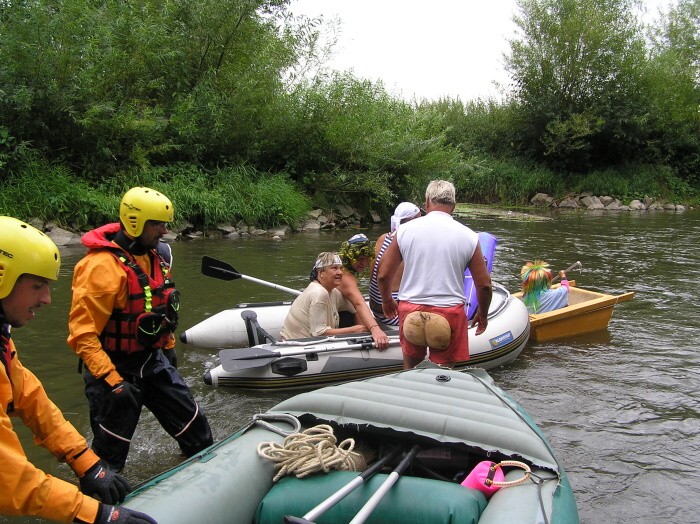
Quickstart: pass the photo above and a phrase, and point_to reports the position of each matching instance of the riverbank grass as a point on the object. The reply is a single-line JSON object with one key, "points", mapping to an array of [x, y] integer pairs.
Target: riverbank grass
{"points": [[204, 199]]}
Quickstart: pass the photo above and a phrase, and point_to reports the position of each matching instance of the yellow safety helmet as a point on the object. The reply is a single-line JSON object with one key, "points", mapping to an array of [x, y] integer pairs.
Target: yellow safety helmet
{"points": [[143, 203], [25, 250]]}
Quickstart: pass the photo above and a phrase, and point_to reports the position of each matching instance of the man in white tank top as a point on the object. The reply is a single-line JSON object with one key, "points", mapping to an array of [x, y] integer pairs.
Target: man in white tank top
{"points": [[436, 250]]}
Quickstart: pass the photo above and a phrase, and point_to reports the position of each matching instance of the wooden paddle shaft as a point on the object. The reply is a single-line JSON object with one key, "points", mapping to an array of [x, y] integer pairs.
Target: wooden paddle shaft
{"points": [[575, 265]]}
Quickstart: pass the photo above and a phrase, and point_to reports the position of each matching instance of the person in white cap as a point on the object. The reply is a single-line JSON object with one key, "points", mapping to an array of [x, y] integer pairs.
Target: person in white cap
{"points": [[404, 212], [436, 250]]}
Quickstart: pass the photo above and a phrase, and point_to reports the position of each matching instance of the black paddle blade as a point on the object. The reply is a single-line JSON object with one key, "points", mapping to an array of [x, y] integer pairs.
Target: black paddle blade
{"points": [[246, 358], [218, 269]]}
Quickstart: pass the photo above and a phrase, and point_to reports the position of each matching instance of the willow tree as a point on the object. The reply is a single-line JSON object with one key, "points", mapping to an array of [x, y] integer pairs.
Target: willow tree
{"points": [[576, 67]]}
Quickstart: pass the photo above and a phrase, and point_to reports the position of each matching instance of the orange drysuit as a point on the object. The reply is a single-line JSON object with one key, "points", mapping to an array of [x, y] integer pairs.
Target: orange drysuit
{"points": [[25, 489], [99, 286]]}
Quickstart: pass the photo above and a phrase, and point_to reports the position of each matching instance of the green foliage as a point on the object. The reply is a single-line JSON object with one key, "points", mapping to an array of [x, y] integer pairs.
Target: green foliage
{"points": [[207, 198], [680, 31], [202, 198], [119, 84], [511, 182], [569, 142], [483, 127], [636, 182], [672, 80], [10, 150], [348, 141], [213, 103], [576, 68], [51, 192]]}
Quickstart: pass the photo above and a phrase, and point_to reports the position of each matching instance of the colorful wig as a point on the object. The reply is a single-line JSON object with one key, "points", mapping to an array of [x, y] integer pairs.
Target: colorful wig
{"points": [[535, 278], [356, 247]]}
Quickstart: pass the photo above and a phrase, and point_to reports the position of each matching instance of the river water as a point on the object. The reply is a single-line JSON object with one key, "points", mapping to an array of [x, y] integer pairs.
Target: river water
{"points": [[620, 407]]}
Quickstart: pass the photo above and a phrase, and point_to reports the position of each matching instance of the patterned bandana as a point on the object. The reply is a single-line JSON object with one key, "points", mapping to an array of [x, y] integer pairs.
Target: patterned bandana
{"points": [[336, 261]]}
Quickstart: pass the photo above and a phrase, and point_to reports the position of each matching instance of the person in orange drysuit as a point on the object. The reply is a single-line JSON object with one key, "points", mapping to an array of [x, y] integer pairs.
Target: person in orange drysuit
{"points": [[28, 261], [121, 324]]}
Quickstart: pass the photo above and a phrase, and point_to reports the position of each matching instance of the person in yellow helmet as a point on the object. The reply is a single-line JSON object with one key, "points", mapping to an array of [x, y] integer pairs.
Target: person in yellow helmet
{"points": [[29, 261], [121, 324]]}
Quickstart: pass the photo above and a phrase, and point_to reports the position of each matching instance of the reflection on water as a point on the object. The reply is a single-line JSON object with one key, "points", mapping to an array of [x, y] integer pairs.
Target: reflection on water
{"points": [[620, 407]]}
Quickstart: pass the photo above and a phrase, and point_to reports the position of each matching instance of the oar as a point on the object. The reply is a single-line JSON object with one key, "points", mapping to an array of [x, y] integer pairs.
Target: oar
{"points": [[375, 499], [257, 357], [223, 271], [336, 497], [575, 265]]}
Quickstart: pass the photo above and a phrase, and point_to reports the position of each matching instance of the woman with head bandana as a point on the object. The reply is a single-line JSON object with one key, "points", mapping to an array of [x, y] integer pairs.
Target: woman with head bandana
{"points": [[316, 311]]}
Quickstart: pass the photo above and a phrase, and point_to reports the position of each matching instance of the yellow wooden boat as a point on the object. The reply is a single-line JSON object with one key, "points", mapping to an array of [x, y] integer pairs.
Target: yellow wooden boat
{"points": [[588, 311]]}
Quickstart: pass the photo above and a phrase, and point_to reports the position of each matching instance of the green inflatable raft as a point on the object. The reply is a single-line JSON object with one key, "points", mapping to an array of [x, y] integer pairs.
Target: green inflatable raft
{"points": [[430, 428]]}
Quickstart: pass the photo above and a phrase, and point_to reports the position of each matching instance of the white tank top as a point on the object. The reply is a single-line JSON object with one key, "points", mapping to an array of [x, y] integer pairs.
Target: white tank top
{"points": [[436, 249]]}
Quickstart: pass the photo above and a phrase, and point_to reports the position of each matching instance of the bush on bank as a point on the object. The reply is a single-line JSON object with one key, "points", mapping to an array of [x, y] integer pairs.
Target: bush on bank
{"points": [[246, 128], [228, 195], [51, 192], [513, 182]]}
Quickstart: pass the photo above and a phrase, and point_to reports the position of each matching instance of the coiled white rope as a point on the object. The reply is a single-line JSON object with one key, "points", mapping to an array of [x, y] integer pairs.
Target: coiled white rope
{"points": [[264, 419], [311, 451]]}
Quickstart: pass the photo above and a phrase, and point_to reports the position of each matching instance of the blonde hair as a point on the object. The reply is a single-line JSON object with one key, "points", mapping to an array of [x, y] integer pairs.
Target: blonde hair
{"points": [[441, 192]]}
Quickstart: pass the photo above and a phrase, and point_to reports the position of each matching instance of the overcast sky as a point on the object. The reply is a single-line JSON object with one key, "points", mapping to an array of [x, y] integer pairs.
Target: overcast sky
{"points": [[424, 49]]}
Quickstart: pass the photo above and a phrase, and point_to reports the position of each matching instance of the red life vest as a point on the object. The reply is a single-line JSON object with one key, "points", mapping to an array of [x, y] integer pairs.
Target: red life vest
{"points": [[150, 316]]}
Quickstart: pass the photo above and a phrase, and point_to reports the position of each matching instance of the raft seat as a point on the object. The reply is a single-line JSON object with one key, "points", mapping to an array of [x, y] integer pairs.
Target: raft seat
{"points": [[410, 500]]}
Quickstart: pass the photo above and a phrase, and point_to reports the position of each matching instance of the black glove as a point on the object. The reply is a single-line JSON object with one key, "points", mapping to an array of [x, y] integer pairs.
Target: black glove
{"points": [[108, 486], [121, 515], [121, 396], [171, 356]]}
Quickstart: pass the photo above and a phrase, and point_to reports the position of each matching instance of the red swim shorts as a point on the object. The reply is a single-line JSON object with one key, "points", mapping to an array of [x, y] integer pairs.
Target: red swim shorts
{"points": [[458, 349]]}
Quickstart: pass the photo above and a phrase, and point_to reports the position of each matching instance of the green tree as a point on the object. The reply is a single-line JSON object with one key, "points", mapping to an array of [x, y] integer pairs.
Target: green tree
{"points": [[111, 84], [346, 139], [576, 66], [673, 81]]}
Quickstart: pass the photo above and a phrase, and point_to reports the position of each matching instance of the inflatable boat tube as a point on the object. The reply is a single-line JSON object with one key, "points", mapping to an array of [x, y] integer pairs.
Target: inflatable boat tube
{"points": [[488, 248]]}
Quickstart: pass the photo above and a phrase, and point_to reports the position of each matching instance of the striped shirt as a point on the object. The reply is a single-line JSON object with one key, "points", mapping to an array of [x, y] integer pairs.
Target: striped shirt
{"points": [[375, 297]]}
